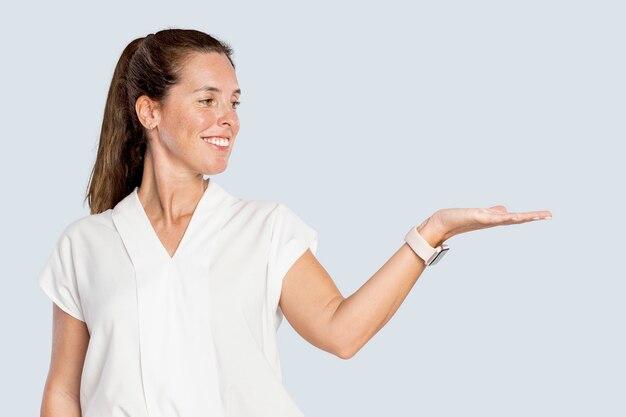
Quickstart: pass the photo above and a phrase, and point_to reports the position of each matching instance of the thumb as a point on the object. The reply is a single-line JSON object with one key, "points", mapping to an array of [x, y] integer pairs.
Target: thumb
{"points": [[500, 209]]}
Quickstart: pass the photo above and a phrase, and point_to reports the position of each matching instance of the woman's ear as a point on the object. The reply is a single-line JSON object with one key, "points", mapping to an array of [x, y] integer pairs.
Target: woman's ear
{"points": [[147, 112]]}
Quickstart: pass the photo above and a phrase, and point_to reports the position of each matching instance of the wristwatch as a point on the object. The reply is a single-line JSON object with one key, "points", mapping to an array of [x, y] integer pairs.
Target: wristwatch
{"points": [[421, 247]]}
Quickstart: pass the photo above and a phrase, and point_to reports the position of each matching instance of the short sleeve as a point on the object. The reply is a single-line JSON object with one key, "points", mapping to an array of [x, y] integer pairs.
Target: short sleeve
{"points": [[58, 279], [291, 237]]}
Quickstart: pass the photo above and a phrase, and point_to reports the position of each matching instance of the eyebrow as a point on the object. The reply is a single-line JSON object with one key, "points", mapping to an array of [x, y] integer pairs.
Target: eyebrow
{"points": [[217, 90]]}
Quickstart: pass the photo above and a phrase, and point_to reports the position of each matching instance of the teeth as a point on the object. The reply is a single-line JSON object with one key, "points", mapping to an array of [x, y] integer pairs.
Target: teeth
{"points": [[216, 141]]}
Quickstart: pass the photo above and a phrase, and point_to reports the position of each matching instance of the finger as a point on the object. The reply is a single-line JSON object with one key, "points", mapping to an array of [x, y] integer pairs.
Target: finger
{"points": [[531, 216], [510, 218], [501, 209], [497, 218], [539, 215]]}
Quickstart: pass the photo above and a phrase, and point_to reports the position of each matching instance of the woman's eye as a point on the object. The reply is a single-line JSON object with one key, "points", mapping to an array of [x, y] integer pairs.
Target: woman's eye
{"points": [[210, 101]]}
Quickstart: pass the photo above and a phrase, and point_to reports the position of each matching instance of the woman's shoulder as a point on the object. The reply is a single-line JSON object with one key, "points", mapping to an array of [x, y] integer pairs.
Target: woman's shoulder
{"points": [[254, 209], [248, 207], [92, 224], [264, 208]]}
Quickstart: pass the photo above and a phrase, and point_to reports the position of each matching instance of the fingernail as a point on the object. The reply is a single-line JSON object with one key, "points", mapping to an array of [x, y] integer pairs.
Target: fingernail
{"points": [[547, 218]]}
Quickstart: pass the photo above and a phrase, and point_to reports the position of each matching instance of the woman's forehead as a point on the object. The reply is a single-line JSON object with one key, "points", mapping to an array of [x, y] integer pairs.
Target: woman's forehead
{"points": [[209, 72]]}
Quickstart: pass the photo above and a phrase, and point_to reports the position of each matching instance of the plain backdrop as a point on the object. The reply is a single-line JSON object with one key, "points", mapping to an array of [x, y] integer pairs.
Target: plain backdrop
{"points": [[365, 118]]}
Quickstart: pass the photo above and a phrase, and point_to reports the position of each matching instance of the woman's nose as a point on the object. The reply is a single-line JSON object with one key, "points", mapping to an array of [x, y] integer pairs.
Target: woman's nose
{"points": [[227, 115]]}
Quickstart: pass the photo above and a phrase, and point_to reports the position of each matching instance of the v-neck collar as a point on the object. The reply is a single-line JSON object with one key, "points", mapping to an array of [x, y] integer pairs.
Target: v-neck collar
{"points": [[190, 225], [142, 241]]}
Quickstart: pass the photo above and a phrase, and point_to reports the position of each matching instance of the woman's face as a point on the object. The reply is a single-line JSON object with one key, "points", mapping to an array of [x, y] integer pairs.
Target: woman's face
{"points": [[200, 106]]}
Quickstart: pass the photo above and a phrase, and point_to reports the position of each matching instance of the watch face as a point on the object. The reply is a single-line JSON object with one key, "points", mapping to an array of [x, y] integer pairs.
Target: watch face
{"points": [[439, 255]]}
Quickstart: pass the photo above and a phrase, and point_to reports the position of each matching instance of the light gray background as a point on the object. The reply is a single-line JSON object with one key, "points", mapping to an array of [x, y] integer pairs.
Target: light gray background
{"points": [[365, 119]]}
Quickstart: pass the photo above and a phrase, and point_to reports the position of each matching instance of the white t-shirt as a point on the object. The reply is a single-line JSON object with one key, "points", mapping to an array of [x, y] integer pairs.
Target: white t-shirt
{"points": [[191, 335]]}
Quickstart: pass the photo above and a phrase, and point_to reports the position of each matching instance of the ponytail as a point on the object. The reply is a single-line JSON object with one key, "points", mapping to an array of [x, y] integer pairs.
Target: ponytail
{"points": [[118, 165]]}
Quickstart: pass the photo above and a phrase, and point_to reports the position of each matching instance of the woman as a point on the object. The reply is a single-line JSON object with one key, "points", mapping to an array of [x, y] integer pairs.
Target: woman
{"points": [[167, 297]]}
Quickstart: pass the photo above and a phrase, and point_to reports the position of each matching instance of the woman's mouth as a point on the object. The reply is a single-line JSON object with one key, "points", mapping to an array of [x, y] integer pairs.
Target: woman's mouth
{"points": [[221, 144]]}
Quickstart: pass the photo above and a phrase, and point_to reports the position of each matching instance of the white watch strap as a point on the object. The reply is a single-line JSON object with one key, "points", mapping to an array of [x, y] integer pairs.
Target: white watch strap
{"points": [[419, 245], [422, 248]]}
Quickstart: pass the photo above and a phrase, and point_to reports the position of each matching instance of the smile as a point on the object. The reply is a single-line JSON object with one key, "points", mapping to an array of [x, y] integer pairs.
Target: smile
{"points": [[218, 143]]}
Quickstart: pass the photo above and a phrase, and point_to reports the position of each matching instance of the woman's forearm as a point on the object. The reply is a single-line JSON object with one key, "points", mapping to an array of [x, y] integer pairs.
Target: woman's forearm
{"points": [[60, 404], [361, 315]]}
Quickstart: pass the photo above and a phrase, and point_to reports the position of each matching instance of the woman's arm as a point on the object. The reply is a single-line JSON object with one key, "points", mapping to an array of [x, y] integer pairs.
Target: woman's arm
{"points": [[360, 316], [70, 338], [316, 309]]}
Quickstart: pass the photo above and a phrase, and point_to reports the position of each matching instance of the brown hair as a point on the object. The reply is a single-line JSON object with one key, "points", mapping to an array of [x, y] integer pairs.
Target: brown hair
{"points": [[148, 66]]}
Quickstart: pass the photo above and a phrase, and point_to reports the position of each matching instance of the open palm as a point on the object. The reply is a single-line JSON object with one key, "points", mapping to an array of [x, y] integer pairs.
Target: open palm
{"points": [[453, 221]]}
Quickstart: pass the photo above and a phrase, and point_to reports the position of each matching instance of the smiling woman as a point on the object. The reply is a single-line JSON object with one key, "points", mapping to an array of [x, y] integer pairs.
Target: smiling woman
{"points": [[169, 90], [188, 114], [168, 296]]}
